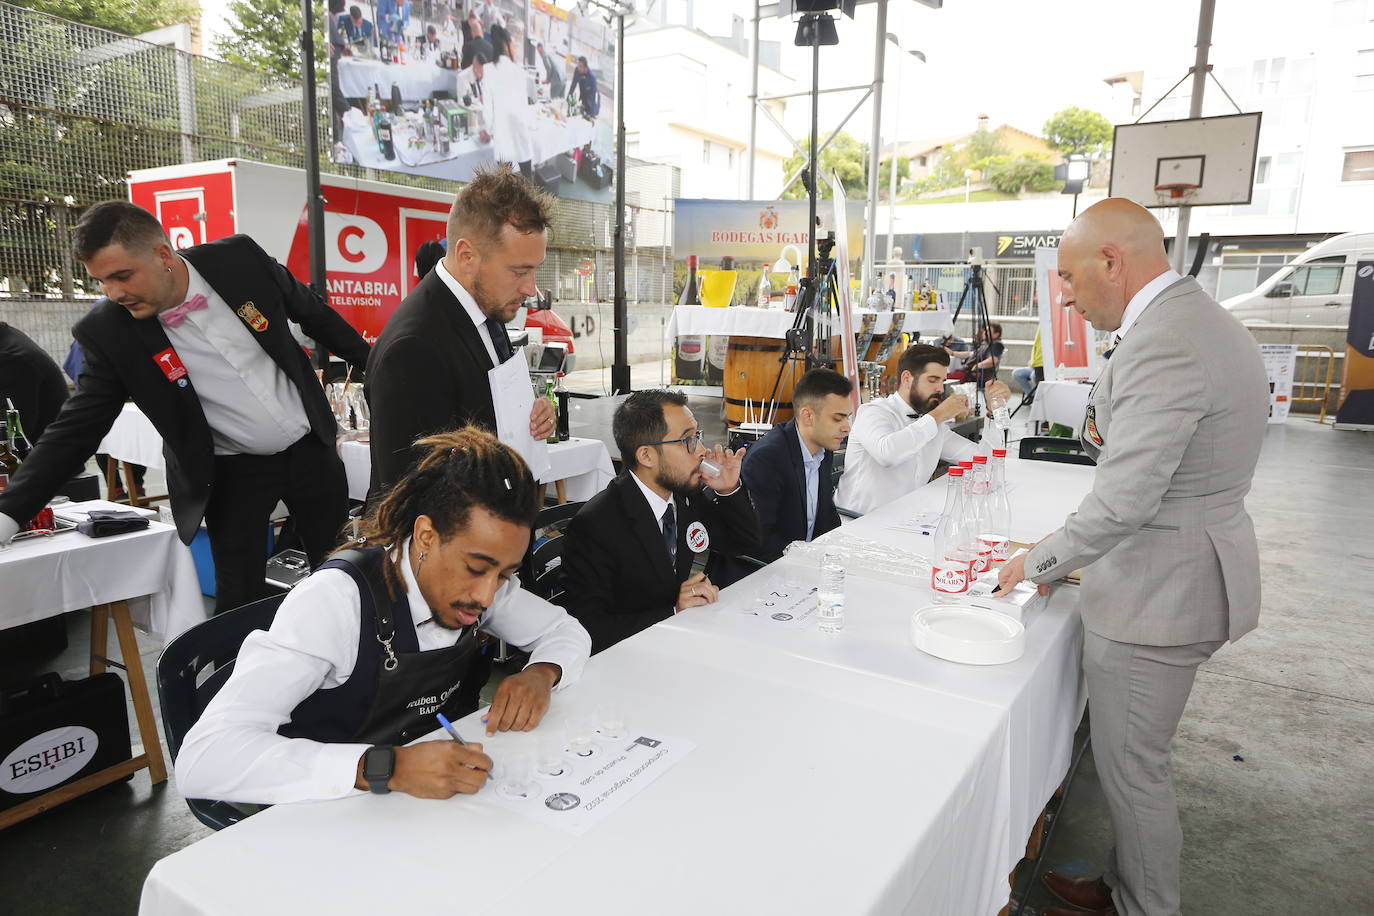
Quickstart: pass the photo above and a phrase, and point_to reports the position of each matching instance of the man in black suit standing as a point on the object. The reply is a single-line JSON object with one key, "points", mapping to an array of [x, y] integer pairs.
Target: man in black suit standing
{"points": [[428, 372], [788, 472], [199, 340], [627, 563], [30, 380]]}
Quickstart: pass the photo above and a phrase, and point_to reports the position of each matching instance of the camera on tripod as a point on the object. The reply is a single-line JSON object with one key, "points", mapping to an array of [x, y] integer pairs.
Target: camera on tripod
{"points": [[975, 256]]}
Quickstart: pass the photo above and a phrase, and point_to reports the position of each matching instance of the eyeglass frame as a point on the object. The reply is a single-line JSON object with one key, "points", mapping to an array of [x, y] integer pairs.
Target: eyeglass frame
{"points": [[691, 449]]}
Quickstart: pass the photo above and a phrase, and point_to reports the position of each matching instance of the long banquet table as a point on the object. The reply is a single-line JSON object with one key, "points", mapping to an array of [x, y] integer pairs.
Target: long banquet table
{"points": [[842, 773]]}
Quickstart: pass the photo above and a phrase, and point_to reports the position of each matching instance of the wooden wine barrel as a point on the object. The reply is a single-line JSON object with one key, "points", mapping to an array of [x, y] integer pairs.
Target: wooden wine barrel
{"points": [[751, 370]]}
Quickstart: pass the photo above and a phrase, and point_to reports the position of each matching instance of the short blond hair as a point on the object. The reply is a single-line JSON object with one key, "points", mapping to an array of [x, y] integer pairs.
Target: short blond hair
{"points": [[496, 198]]}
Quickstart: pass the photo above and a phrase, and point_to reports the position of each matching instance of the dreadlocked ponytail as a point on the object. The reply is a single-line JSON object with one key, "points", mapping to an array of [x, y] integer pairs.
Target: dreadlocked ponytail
{"points": [[464, 468]]}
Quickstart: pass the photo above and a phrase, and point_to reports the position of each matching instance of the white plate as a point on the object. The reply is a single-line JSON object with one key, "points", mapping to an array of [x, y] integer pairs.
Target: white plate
{"points": [[968, 635]]}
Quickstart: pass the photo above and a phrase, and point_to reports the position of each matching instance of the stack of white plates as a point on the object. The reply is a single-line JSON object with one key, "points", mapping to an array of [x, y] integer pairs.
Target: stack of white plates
{"points": [[968, 635]]}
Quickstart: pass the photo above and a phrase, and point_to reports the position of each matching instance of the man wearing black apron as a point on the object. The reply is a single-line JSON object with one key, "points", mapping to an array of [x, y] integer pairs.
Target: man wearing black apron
{"points": [[364, 654]]}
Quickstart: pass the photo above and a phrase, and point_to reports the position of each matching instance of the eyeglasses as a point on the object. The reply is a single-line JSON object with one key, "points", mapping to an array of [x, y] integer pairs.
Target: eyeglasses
{"points": [[689, 442]]}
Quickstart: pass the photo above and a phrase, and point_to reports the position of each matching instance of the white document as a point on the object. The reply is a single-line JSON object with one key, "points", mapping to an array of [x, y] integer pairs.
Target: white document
{"points": [[778, 604], [513, 398], [590, 785]]}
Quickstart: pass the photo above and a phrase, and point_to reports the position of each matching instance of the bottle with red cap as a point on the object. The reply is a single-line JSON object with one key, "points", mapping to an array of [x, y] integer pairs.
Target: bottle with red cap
{"points": [[950, 559], [998, 508]]}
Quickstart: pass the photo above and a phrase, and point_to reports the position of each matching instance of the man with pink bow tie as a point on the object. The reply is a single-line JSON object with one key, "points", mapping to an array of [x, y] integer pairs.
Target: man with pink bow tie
{"points": [[198, 338]]}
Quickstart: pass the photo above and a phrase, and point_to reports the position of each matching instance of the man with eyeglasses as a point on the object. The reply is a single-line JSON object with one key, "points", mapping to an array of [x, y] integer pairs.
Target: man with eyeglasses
{"points": [[630, 551]]}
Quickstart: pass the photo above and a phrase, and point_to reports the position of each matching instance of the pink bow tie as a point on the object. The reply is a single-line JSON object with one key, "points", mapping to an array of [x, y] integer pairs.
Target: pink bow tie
{"points": [[174, 318]]}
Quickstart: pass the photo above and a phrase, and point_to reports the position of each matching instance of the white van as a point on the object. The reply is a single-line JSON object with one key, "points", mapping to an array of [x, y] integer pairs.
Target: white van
{"points": [[1314, 288]]}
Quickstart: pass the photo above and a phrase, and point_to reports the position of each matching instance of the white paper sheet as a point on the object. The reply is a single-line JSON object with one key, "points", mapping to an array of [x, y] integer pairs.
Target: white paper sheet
{"points": [[780, 603], [591, 785], [513, 398]]}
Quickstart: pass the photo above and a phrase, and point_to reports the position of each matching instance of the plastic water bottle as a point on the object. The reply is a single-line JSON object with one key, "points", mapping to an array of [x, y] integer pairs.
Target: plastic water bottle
{"points": [[830, 595], [949, 567], [977, 513], [998, 531]]}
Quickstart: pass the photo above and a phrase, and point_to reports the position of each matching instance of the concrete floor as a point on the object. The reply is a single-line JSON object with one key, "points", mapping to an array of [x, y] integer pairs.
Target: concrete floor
{"points": [[1287, 829]]}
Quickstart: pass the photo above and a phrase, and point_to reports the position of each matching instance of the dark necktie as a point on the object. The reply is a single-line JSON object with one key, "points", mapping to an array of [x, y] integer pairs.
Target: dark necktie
{"points": [[500, 341], [670, 534], [1116, 342]]}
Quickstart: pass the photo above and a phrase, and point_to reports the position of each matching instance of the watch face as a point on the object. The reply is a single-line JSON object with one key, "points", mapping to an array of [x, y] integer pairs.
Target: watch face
{"points": [[378, 765]]}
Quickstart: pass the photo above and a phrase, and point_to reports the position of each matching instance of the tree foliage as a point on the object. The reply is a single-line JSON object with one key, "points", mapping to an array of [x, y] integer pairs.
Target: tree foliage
{"points": [[265, 35], [1014, 174], [845, 156], [119, 15], [1078, 130], [885, 173]]}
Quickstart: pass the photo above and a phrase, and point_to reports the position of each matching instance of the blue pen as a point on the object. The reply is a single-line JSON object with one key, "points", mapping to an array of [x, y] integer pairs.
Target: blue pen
{"points": [[448, 727]]}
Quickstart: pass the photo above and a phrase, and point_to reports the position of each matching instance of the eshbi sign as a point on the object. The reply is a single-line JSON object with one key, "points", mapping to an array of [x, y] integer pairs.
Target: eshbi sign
{"points": [[48, 759]]}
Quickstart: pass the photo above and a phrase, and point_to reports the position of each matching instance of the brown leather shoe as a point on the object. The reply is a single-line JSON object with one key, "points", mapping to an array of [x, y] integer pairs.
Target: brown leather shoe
{"points": [[1088, 893], [1053, 911]]}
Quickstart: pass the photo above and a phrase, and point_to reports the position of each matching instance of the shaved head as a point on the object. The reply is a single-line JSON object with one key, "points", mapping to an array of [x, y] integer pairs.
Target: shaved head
{"points": [[1107, 255]]}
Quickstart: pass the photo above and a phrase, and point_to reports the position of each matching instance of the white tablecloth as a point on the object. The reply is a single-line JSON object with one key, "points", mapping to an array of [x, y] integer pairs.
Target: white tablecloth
{"points": [[749, 321], [133, 438], [44, 577], [832, 774], [583, 464], [1061, 402], [417, 80]]}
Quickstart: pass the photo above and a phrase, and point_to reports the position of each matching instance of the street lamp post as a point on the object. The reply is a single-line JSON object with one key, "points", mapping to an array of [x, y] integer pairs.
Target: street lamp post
{"points": [[968, 181]]}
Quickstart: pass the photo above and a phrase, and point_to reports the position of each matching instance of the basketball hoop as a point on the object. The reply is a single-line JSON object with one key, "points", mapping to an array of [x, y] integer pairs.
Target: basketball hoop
{"points": [[1175, 195]]}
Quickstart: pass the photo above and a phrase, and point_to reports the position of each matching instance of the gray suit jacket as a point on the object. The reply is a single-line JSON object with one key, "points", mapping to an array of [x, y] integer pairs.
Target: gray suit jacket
{"points": [[1175, 421]]}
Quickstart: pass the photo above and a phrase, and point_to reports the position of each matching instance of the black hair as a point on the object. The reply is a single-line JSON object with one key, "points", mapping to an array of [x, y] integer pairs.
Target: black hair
{"points": [[356, 12], [426, 256], [816, 385], [115, 222], [640, 421], [918, 356], [464, 469]]}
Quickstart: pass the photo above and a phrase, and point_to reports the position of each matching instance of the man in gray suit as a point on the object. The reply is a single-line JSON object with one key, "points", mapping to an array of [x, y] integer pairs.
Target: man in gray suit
{"points": [[1172, 568]]}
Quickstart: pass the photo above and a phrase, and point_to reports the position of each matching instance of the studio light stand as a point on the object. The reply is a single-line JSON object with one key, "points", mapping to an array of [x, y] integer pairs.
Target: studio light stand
{"points": [[976, 297]]}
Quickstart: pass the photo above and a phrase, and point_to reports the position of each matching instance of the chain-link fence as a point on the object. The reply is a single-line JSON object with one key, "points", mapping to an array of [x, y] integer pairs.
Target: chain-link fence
{"points": [[80, 107]]}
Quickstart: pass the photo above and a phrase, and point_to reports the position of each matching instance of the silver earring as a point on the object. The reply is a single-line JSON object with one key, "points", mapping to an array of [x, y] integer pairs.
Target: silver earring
{"points": [[420, 565]]}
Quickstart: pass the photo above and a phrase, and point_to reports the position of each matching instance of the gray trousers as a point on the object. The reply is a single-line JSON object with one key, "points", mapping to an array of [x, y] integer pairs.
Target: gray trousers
{"points": [[1136, 696]]}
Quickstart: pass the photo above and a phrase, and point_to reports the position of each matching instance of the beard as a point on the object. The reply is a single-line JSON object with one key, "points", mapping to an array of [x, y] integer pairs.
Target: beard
{"points": [[924, 406], [678, 487], [492, 307]]}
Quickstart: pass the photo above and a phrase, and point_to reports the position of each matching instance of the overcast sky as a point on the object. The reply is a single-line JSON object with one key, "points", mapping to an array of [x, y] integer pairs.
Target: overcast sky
{"points": [[1016, 61]]}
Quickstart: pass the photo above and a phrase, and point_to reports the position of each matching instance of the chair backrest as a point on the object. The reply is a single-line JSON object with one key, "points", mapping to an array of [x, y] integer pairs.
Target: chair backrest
{"points": [[1054, 448], [182, 692], [540, 570]]}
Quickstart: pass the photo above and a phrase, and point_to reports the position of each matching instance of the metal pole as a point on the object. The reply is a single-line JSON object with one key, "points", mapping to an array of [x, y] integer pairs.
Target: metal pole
{"points": [[1204, 43], [753, 107], [811, 164], [871, 223], [314, 197], [620, 369], [892, 164]]}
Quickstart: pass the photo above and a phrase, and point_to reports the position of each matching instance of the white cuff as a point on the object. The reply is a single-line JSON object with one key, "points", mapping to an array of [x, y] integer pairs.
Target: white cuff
{"points": [[8, 529]]}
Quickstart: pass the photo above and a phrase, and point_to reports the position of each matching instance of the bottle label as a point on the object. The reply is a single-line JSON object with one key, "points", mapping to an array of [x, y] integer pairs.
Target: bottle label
{"points": [[951, 580]]}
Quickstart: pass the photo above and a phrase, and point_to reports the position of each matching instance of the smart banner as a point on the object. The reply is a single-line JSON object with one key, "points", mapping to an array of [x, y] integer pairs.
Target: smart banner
{"points": [[1356, 410], [1279, 363], [443, 89]]}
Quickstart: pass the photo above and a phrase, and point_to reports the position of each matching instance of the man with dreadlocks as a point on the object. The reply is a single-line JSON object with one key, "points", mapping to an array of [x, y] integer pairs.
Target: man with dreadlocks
{"points": [[364, 653]]}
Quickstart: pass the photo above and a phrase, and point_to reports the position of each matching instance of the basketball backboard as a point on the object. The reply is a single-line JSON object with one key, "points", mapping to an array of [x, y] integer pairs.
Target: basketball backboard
{"points": [[1199, 161]]}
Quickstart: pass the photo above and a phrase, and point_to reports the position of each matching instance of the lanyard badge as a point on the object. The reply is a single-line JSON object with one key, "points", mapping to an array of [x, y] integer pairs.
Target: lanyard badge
{"points": [[171, 366]]}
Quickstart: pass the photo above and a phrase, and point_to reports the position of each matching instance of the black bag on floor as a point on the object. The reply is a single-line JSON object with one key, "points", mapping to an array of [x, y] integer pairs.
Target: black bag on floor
{"points": [[53, 732]]}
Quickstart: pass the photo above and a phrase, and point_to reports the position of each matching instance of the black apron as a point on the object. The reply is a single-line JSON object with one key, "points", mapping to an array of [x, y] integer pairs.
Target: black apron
{"points": [[395, 690]]}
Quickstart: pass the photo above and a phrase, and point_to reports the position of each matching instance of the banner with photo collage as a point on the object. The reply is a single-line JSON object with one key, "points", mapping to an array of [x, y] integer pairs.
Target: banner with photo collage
{"points": [[443, 89]]}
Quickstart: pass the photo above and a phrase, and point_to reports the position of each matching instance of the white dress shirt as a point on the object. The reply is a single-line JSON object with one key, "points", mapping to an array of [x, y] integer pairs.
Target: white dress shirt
{"points": [[252, 407], [234, 753], [812, 462], [1142, 299], [657, 504], [889, 454], [469, 304]]}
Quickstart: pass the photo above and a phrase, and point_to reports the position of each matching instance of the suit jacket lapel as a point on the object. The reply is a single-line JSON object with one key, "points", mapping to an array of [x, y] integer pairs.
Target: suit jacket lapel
{"points": [[796, 462], [458, 319], [645, 529]]}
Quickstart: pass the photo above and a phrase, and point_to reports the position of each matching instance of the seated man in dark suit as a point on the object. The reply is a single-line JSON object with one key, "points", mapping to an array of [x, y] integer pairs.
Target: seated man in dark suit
{"points": [[627, 563], [788, 472]]}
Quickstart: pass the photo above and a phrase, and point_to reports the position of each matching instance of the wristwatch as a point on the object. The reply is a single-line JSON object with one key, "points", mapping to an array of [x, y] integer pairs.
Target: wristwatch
{"points": [[379, 763]]}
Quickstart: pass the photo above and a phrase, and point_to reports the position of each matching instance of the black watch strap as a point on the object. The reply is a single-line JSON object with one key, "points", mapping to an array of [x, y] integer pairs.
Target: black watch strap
{"points": [[379, 764]]}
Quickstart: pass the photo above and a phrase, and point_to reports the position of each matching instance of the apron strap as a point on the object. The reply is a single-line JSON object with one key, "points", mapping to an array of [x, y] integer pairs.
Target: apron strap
{"points": [[381, 601]]}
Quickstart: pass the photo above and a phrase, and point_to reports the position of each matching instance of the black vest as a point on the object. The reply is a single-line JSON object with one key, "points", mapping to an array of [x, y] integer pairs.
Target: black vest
{"points": [[395, 690]]}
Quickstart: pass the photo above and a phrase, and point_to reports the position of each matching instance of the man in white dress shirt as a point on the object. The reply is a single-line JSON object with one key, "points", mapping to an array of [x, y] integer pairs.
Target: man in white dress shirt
{"points": [[897, 441], [364, 654]]}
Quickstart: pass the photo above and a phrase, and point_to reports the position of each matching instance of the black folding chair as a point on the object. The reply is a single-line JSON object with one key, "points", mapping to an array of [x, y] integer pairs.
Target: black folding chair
{"points": [[1054, 448], [540, 571], [183, 693]]}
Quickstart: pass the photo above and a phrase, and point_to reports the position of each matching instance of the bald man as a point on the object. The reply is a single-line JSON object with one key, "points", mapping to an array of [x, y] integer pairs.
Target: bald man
{"points": [[1169, 559]]}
